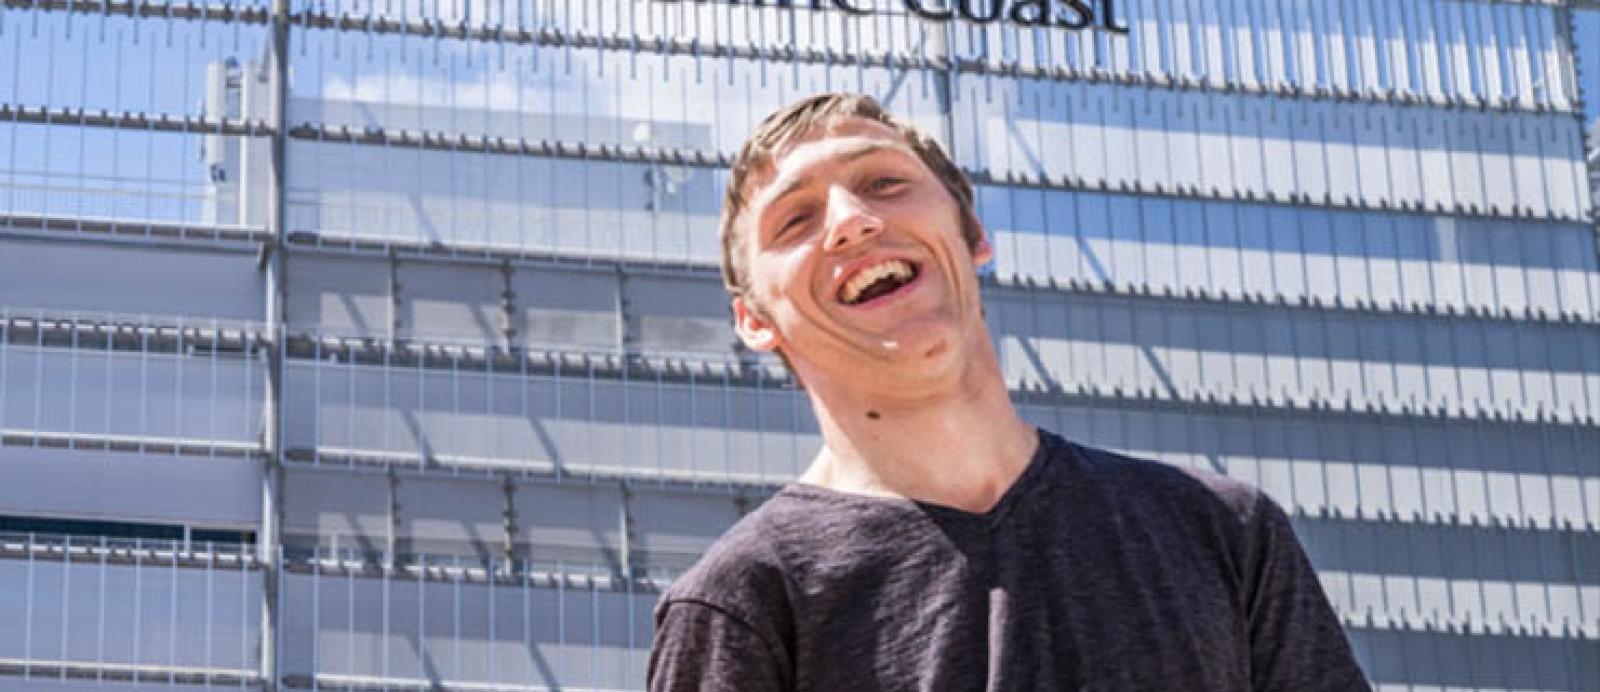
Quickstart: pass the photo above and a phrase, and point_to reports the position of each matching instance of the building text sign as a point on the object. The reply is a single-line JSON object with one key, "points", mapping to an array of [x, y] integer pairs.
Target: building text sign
{"points": [[1067, 14]]}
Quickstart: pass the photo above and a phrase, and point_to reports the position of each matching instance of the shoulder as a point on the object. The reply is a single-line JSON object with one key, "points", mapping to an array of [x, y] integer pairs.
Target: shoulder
{"points": [[1161, 490], [714, 622], [741, 574]]}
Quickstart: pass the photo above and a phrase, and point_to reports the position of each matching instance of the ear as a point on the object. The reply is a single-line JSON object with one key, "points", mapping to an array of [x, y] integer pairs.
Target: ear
{"points": [[753, 329], [983, 252]]}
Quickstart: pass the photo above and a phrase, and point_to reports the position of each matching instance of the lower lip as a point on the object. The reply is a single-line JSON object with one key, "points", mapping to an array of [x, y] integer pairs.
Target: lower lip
{"points": [[892, 298]]}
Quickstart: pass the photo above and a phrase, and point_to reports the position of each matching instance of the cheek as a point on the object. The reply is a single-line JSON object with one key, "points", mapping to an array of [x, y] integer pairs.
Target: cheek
{"points": [[792, 271], [776, 277]]}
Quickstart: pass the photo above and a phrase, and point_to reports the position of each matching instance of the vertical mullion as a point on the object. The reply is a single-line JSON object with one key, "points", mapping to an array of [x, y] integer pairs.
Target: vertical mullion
{"points": [[316, 399], [38, 375], [247, 419], [211, 412], [350, 406], [492, 575], [138, 607], [6, 328], [557, 457], [178, 362], [27, 616], [172, 611], [385, 446], [455, 621], [72, 386], [694, 423], [210, 589], [561, 618], [527, 624], [384, 614], [594, 627], [455, 408], [422, 444], [661, 477], [727, 432], [244, 611], [100, 612], [590, 420], [316, 617], [350, 620], [66, 601], [423, 656]]}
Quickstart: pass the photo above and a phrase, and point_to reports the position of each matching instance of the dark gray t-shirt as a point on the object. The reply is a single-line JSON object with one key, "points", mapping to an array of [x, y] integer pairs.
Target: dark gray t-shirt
{"points": [[1094, 573]]}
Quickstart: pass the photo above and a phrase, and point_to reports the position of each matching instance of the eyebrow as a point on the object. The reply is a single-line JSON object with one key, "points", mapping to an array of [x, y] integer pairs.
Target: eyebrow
{"points": [[849, 156]]}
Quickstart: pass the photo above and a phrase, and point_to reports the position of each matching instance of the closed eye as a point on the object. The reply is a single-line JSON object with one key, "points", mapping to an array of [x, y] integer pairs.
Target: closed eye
{"points": [[887, 184], [793, 222]]}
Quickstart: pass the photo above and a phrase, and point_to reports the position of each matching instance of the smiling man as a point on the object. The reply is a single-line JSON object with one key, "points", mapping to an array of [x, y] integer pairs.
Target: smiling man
{"points": [[938, 541]]}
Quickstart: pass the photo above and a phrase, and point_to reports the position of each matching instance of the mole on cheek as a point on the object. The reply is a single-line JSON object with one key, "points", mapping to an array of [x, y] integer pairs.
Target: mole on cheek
{"points": [[873, 415]]}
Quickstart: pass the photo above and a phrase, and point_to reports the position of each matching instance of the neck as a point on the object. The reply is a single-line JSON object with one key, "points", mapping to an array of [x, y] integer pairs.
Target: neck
{"points": [[959, 446]]}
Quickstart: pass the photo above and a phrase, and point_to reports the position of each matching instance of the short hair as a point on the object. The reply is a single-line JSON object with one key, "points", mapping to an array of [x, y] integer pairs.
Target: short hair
{"points": [[801, 118]]}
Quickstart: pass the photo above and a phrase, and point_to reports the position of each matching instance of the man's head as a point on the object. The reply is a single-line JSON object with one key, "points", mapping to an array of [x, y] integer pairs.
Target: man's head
{"points": [[784, 127], [849, 244]]}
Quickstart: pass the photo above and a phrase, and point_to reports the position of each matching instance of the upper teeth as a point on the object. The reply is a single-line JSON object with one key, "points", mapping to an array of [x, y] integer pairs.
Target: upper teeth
{"points": [[899, 269]]}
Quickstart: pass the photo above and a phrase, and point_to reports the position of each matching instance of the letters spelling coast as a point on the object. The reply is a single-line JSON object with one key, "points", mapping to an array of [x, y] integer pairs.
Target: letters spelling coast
{"points": [[1068, 14]]}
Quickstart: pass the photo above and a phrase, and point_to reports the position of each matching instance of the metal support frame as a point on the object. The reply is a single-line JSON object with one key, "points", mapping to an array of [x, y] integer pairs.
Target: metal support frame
{"points": [[626, 336], [509, 328], [393, 302], [625, 530], [508, 518], [392, 521], [270, 542]]}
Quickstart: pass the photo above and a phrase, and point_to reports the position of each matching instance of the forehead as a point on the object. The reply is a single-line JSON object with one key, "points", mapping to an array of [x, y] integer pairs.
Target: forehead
{"points": [[836, 138]]}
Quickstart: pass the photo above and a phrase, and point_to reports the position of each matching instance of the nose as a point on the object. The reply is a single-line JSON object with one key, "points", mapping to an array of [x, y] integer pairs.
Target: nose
{"points": [[849, 220]]}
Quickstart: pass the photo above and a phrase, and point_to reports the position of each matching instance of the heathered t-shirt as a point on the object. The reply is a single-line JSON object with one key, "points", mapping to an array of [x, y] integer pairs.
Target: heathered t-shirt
{"points": [[1094, 573]]}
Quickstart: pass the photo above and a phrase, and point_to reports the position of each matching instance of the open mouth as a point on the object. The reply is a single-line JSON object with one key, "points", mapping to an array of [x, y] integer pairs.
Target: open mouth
{"points": [[877, 281]]}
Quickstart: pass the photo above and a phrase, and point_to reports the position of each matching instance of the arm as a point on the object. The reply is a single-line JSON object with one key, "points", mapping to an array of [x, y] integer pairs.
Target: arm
{"points": [[700, 648], [1296, 643]]}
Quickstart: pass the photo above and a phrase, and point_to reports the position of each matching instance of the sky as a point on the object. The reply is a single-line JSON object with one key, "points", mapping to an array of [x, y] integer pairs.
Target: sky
{"points": [[1588, 30]]}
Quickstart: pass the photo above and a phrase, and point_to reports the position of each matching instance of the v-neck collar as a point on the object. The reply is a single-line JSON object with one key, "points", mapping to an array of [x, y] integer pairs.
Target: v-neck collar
{"points": [[1019, 488]]}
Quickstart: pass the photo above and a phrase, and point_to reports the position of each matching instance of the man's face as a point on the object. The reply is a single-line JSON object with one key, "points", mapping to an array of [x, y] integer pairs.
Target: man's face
{"points": [[856, 261]]}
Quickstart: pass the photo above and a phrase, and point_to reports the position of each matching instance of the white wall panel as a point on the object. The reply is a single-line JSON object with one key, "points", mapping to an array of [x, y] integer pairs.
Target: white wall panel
{"points": [[126, 486], [704, 428], [1370, 154], [567, 308], [450, 302], [1110, 342], [339, 295], [347, 511], [684, 314], [200, 399], [50, 683], [98, 279], [574, 521], [130, 614], [571, 634]]}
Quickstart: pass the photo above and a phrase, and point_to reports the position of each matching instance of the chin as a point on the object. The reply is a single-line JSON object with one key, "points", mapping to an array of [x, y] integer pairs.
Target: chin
{"points": [[932, 355]]}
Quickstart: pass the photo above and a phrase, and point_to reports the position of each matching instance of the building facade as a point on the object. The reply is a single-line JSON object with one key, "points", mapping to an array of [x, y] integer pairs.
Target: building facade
{"points": [[380, 344]]}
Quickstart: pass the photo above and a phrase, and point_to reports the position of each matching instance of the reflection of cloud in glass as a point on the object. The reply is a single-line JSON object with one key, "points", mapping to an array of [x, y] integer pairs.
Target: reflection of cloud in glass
{"points": [[115, 63]]}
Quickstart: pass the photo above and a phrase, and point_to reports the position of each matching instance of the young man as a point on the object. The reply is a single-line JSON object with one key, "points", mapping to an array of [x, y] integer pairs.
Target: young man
{"points": [[938, 541]]}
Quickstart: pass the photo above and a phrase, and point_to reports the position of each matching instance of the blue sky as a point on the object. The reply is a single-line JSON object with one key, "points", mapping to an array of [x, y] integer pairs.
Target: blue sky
{"points": [[1588, 26]]}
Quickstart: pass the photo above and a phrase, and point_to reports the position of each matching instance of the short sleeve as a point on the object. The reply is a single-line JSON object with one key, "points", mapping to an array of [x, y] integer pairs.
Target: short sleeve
{"points": [[1296, 643], [699, 648]]}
